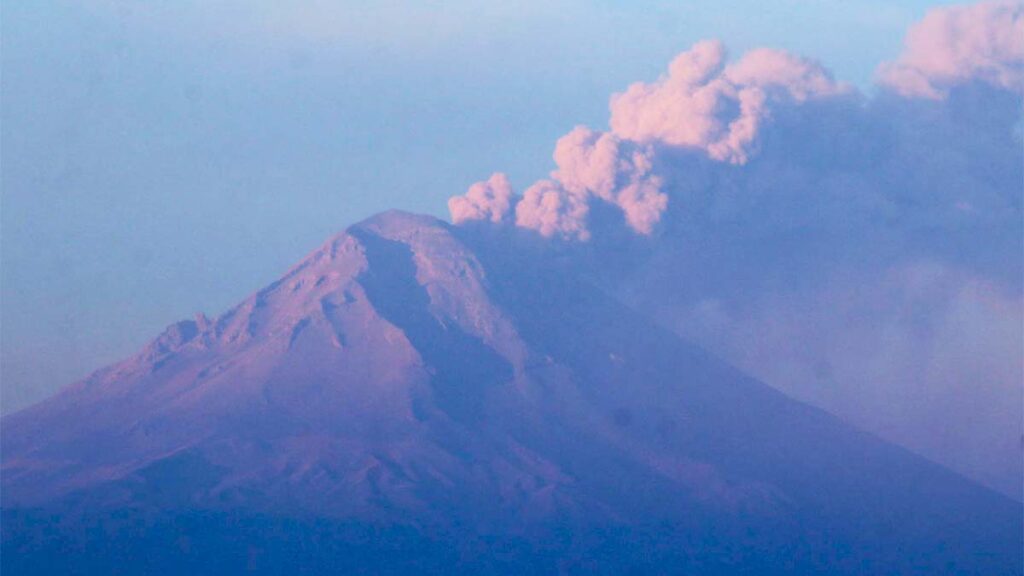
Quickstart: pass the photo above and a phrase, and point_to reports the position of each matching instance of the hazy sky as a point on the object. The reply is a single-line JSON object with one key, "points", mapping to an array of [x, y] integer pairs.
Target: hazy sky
{"points": [[165, 158]]}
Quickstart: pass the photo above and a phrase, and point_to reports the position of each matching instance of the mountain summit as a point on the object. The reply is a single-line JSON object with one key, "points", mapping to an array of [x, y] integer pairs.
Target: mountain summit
{"points": [[409, 397]]}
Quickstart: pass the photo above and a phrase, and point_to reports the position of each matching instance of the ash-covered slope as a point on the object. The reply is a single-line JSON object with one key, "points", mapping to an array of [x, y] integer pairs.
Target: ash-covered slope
{"points": [[465, 409]]}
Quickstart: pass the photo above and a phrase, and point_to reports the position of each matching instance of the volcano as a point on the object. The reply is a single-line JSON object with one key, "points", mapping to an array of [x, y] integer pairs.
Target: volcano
{"points": [[412, 399]]}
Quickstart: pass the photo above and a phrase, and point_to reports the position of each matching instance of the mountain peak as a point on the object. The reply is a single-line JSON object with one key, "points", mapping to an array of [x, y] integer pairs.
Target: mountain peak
{"points": [[395, 377], [398, 223]]}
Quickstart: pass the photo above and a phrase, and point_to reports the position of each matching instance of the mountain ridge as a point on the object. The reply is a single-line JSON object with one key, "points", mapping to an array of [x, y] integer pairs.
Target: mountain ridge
{"points": [[403, 374]]}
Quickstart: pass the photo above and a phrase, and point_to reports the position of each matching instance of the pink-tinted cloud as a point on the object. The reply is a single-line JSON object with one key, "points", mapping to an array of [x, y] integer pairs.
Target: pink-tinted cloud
{"points": [[590, 161], [552, 211], [488, 200], [591, 166], [642, 204], [828, 156], [702, 103], [600, 164], [783, 201], [952, 46]]}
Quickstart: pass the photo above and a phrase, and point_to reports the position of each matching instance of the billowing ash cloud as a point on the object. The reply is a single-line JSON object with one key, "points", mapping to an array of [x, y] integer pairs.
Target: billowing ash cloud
{"points": [[820, 148], [703, 104], [593, 166], [957, 45], [861, 252], [489, 200]]}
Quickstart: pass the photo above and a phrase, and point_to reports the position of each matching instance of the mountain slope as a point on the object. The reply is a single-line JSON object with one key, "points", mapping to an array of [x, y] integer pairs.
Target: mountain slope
{"points": [[404, 378]]}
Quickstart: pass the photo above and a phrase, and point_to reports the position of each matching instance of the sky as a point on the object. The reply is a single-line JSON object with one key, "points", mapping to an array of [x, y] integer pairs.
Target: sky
{"points": [[164, 159]]}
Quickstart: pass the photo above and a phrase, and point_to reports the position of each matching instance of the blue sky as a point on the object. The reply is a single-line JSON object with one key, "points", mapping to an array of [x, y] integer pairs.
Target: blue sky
{"points": [[169, 158]]}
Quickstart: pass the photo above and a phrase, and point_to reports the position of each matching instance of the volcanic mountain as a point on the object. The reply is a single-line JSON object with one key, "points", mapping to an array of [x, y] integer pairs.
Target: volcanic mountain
{"points": [[412, 399]]}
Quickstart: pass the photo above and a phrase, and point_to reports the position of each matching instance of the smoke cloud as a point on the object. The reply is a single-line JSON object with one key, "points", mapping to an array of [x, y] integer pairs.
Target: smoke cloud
{"points": [[959, 45], [703, 104], [862, 252], [803, 138], [490, 200]]}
